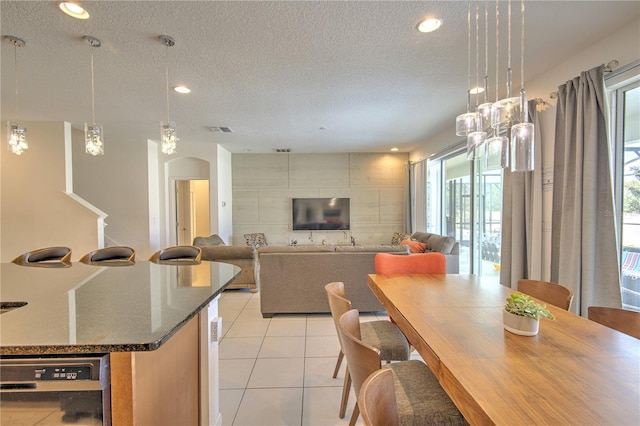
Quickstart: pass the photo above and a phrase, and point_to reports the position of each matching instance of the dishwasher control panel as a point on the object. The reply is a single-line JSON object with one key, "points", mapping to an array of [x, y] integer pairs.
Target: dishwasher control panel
{"points": [[73, 372]]}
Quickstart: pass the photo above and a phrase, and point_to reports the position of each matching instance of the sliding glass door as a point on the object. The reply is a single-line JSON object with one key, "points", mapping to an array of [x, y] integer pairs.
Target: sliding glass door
{"points": [[625, 124], [465, 202]]}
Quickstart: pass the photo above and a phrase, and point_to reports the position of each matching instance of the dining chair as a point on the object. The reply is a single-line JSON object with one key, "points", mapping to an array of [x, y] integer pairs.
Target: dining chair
{"points": [[552, 293], [45, 257], [377, 399], [417, 263], [381, 334], [420, 398], [113, 255], [623, 320], [177, 254]]}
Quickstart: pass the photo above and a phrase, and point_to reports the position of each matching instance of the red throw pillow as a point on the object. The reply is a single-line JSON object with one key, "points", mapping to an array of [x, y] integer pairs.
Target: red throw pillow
{"points": [[414, 246]]}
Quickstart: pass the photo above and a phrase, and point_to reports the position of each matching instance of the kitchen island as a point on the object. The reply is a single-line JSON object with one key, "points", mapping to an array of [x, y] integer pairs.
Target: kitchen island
{"points": [[158, 325]]}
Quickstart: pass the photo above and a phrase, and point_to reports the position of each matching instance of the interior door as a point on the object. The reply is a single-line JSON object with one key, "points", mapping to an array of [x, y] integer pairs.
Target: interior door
{"points": [[192, 210]]}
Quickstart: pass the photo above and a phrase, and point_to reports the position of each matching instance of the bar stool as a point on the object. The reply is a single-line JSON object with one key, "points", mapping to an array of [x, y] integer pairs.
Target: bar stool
{"points": [[48, 257], [110, 256]]}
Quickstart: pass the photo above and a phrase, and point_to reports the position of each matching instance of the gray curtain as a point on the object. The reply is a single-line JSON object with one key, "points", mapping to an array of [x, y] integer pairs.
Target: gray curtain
{"points": [[407, 217], [521, 237], [420, 196], [584, 248]]}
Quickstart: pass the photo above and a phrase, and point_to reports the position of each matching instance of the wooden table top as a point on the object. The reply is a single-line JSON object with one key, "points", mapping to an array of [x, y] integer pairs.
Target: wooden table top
{"points": [[575, 371]]}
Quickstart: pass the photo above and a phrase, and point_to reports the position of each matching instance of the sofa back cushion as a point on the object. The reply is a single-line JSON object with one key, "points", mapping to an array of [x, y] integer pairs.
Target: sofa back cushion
{"points": [[441, 243], [213, 240]]}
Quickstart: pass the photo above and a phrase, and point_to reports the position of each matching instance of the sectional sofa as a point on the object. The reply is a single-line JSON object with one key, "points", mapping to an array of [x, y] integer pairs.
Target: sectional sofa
{"points": [[292, 279]]}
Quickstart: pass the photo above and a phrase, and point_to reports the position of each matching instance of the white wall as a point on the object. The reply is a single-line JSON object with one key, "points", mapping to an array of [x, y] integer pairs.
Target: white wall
{"points": [[622, 45], [37, 211], [263, 185], [225, 196]]}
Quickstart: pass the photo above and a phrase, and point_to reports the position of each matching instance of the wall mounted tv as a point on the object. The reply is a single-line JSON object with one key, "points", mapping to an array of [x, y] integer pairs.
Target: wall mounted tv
{"points": [[320, 214]]}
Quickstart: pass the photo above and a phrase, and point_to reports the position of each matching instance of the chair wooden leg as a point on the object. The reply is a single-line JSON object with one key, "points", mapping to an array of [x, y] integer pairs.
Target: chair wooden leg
{"points": [[354, 415], [346, 389], [340, 356]]}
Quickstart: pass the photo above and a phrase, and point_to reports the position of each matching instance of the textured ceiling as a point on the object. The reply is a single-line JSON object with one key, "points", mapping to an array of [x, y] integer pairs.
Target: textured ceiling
{"points": [[275, 72]]}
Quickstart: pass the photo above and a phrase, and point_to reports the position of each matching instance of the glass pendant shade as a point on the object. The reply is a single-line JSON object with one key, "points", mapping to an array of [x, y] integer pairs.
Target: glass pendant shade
{"points": [[17, 138], [93, 139], [475, 145], [466, 123], [497, 153], [505, 113], [168, 137], [522, 145], [484, 116]]}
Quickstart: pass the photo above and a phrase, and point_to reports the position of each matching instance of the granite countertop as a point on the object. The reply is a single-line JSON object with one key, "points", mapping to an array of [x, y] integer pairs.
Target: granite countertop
{"points": [[100, 309]]}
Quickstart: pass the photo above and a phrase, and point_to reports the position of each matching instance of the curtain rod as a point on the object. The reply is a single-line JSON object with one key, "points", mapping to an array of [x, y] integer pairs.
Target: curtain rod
{"points": [[612, 65]]}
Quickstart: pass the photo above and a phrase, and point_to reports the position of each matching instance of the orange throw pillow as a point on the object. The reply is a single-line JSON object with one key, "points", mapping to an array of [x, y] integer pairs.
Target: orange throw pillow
{"points": [[414, 246]]}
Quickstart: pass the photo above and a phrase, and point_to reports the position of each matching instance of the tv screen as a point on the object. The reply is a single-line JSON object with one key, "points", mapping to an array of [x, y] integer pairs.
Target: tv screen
{"points": [[320, 214]]}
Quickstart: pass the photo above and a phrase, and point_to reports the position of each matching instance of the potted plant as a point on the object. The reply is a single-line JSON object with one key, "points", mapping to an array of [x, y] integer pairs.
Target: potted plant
{"points": [[522, 315]]}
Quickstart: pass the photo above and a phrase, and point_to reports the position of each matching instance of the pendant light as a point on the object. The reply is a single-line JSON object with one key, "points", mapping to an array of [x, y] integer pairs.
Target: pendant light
{"points": [[497, 147], [475, 139], [484, 109], [522, 134], [506, 112], [93, 133], [168, 135], [467, 123], [16, 132]]}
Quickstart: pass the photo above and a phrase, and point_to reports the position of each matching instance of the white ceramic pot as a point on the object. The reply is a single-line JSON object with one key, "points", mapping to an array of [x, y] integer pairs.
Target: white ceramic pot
{"points": [[518, 324]]}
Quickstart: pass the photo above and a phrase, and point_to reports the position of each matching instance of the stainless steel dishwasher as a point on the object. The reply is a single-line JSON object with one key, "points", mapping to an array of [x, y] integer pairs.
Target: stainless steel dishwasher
{"points": [[55, 390]]}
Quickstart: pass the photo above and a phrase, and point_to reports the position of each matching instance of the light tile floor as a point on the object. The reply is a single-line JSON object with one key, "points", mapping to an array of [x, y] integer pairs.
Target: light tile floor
{"points": [[277, 371]]}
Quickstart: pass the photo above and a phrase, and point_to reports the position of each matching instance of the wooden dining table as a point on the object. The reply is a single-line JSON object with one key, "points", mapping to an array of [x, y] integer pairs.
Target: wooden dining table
{"points": [[574, 371]]}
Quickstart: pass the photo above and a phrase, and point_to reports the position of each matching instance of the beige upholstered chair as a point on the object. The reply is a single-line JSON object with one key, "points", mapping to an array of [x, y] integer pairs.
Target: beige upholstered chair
{"points": [[48, 257], [420, 398], [625, 321], [552, 293], [182, 255], [377, 399], [110, 256], [382, 335]]}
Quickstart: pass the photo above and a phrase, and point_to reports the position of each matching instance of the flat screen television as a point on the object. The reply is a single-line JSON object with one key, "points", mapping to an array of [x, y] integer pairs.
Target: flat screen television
{"points": [[321, 214]]}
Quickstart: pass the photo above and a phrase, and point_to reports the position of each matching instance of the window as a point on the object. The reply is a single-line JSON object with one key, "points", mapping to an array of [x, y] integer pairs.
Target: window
{"points": [[465, 202], [623, 88]]}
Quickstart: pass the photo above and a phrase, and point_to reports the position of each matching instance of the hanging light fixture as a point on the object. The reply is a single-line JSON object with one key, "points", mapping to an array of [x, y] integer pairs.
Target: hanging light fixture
{"points": [[16, 132], [506, 112], [497, 147], [168, 134], [522, 134], [93, 133], [466, 123], [475, 139], [484, 109]]}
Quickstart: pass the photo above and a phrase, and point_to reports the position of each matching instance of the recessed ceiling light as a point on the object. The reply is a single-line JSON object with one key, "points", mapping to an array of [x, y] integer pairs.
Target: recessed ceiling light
{"points": [[394, 149], [182, 89], [476, 90], [73, 9], [429, 25]]}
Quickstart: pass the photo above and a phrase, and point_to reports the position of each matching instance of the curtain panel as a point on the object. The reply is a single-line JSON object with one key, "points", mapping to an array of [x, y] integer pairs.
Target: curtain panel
{"points": [[521, 236], [584, 247]]}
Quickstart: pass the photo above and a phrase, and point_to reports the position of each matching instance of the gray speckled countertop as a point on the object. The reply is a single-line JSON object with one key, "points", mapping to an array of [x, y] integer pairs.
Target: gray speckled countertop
{"points": [[99, 309]]}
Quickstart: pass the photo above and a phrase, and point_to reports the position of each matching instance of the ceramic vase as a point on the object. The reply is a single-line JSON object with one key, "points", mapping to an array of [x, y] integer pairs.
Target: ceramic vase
{"points": [[518, 324]]}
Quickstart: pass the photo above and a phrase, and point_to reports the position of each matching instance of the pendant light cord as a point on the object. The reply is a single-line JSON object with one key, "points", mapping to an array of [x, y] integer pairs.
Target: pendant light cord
{"points": [[486, 51], [469, 56], [93, 97], [15, 71], [166, 74], [522, 47], [497, 49], [509, 49], [477, 54]]}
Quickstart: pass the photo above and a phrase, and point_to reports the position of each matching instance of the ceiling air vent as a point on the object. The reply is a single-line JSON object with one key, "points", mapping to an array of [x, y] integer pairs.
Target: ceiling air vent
{"points": [[283, 149], [221, 129]]}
